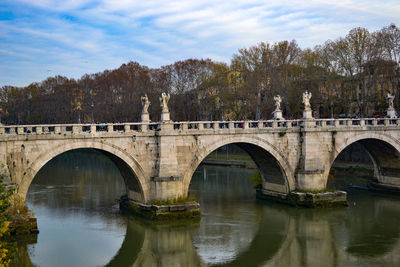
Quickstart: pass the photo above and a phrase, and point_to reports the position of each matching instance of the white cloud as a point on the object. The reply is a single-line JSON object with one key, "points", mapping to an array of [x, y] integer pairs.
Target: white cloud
{"points": [[158, 32]]}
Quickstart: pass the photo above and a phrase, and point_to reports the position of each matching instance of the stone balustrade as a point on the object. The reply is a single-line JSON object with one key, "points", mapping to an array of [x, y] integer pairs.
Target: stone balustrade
{"points": [[191, 126]]}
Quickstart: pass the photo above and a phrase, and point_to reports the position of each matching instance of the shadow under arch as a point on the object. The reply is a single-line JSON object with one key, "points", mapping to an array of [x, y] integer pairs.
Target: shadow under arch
{"points": [[273, 166], [383, 150], [130, 169]]}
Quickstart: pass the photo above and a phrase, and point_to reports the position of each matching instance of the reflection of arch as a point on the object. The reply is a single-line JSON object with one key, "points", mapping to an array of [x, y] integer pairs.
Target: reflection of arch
{"points": [[132, 245], [254, 146], [278, 241], [382, 226], [131, 171], [156, 245], [382, 149]]}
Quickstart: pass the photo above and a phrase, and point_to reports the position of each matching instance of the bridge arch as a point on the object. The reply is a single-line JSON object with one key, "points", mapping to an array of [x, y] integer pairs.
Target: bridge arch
{"points": [[383, 150], [130, 169], [256, 147]]}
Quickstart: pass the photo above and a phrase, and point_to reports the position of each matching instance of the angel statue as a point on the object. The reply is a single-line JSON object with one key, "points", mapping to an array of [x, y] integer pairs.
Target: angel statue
{"points": [[278, 101], [145, 104], [390, 99], [164, 102], [306, 100], [1, 110]]}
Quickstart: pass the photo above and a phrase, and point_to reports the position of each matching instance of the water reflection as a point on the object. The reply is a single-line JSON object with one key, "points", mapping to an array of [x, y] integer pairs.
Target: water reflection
{"points": [[372, 226], [79, 225], [74, 200], [230, 219], [166, 245]]}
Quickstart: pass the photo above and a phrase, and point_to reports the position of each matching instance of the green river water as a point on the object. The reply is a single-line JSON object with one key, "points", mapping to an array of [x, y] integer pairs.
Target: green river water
{"points": [[75, 200]]}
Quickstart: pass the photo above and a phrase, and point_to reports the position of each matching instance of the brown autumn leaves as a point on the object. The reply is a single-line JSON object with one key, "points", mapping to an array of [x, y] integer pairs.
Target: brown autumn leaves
{"points": [[350, 75]]}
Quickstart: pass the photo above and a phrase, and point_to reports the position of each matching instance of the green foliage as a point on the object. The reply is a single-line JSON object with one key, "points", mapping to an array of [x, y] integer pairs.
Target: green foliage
{"points": [[4, 201], [357, 169], [256, 179], [7, 249]]}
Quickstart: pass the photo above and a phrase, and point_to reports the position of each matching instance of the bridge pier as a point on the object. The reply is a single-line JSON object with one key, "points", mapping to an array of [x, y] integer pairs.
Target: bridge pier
{"points": [[166, 186], [311, 174]]}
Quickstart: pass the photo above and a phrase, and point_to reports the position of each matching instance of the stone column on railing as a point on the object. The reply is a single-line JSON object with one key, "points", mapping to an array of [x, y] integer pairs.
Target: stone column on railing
{"points": [[307, 113], [387, 122], [1, 111], [144, 127], [110, 128], [277, 112], [127, 128], [201, 126], [20, 130], [57, 129], [93, 128], [2, 130], [39, 129], [391, 112], [75, 129]]}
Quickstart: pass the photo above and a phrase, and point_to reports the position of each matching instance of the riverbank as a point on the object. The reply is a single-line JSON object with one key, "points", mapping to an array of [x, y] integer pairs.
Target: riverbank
{"points": [[238, 160], [349, 168], [241, 160]]}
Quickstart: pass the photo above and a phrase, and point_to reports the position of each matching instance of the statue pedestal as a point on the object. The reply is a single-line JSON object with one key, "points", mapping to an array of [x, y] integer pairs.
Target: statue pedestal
{"points": [[307, 114], [277, 115], [165, 116], [391, 113], [145, 117]]}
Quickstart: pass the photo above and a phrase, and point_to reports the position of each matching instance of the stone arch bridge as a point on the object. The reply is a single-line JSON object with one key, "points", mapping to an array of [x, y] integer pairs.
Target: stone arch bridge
{"points": [[157, 160]]}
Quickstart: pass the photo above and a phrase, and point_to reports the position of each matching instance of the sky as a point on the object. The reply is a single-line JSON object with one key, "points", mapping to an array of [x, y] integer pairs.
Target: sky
{"points": [[43, 38]]}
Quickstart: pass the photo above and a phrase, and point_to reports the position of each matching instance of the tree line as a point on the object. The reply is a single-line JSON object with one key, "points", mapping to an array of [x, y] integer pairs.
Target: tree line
{"points": [[349, 76]]}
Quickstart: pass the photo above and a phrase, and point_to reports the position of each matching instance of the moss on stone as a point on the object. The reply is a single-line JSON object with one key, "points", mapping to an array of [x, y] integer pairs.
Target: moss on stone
{"points": [[161, 212]]}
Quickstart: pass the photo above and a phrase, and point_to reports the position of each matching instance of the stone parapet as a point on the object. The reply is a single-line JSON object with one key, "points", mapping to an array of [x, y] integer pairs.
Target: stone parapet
{"points": [[104, 129]]}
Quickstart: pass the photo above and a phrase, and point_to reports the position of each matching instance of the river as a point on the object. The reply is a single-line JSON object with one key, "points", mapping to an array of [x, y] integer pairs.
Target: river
{"points": [[75, 200]]}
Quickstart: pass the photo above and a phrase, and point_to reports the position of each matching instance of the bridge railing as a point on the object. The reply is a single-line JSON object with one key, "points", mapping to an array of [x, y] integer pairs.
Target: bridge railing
{"points": [[223, 125], [358, 122], [268, 124], [78, 128], [194, 126]]}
